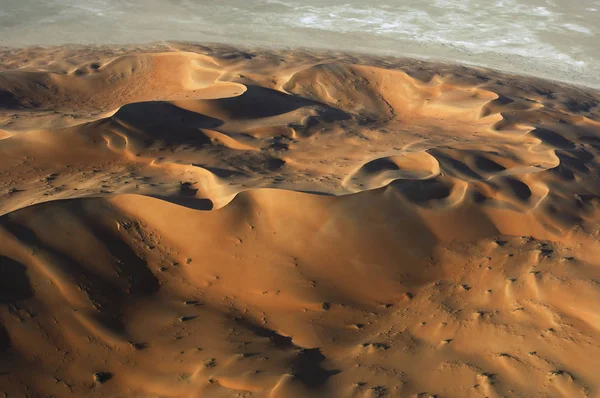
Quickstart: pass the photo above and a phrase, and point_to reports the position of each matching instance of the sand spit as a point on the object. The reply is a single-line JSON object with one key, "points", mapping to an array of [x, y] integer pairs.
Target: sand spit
{"points": [[185, 221]]}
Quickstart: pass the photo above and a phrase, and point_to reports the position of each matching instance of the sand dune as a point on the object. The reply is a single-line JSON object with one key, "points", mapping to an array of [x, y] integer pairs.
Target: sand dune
{"points": [[207, 221]]}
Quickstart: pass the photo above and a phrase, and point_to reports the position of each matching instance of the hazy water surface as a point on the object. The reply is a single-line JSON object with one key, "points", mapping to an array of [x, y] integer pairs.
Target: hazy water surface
{"points": [[555, 38]]}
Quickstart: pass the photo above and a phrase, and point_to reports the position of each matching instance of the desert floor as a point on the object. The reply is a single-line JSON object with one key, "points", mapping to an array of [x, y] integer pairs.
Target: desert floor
{"points": [[181, 220]]}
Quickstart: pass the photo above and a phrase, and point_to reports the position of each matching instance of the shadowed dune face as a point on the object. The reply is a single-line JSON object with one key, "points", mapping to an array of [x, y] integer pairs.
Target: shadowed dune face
{"points": [[15, 283], [217, 222]]}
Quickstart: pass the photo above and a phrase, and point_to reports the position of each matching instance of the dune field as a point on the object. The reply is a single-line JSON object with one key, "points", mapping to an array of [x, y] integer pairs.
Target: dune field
{"points": [[182, 220]]}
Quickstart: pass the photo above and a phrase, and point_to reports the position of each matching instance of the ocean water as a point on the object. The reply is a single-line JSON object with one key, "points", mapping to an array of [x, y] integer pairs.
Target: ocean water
{"points": [[559, 39]]}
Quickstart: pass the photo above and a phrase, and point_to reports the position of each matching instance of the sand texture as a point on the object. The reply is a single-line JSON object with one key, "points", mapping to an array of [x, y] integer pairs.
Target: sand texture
{"points": [[202, 221]]}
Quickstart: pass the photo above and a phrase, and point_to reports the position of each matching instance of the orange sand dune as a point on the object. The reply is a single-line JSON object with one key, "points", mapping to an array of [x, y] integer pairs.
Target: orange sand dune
{"points": [[205, 221]]}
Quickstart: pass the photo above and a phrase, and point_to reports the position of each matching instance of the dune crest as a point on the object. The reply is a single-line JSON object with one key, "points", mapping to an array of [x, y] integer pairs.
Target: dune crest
{"points": [[214, 221]]}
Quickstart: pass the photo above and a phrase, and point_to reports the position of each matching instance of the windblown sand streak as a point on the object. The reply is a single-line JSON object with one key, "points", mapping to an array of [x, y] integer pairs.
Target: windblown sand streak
{"points": [[212, 221]]}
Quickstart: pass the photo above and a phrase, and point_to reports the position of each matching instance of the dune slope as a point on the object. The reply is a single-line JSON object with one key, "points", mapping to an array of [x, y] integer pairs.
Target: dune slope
{"points": [[208, 221]]}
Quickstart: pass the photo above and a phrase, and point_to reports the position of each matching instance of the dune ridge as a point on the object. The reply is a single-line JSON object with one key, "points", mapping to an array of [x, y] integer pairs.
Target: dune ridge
{"points": [[202, 220]]}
